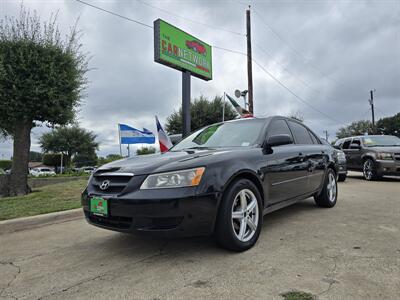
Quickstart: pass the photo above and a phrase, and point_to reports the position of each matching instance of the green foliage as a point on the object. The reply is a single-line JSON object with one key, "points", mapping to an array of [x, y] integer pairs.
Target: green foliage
{"points": [[42, 75], [5, 164], [52, 159], [35, 156], [71, 141], [109, 158], [146, 150], [389, 125], [355, 128], [203, 113], [85, 159]]}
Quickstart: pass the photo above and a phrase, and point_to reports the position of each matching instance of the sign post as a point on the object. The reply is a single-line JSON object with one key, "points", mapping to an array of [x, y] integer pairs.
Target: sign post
{"points": [[179, 50], [186, 118]]}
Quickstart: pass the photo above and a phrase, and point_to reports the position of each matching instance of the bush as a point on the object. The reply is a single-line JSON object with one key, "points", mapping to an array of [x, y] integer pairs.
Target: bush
{"points": [[146, 150], [5, 164], [52, 159]]}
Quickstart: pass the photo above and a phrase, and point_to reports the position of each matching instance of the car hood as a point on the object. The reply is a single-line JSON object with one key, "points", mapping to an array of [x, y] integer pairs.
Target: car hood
{"points": [[154, 163], [386, 149]]}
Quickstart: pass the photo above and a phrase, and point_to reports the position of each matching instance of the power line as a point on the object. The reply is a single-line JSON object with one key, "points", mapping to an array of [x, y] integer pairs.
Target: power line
{"points": [[284, 68], [294, 94], [224, 49], [190, 20], [291, 47], [115, 14]]}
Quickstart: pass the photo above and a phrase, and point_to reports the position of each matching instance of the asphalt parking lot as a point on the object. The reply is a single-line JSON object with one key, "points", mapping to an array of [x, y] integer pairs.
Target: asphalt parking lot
{"points": [[349, 252]]}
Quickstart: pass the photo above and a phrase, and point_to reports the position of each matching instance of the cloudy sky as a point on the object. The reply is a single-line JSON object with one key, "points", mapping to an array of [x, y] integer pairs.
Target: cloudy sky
{"points": [[328, 53]]}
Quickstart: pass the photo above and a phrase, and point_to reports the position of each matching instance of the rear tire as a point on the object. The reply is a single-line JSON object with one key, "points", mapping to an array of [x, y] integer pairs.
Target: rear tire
{"points": [[369, 170], [328, 196], [240, 216], [342, 177]]}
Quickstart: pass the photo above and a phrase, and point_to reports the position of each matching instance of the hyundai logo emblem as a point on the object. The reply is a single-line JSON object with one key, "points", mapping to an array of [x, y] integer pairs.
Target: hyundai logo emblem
{"points": [[105, 184]]}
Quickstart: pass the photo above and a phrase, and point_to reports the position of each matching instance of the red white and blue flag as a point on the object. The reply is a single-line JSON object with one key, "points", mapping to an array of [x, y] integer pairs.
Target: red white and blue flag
{"points": [[163, 138]]}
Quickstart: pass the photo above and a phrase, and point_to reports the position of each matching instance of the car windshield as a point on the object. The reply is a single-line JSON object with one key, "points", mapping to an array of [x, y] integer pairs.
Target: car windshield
{"points": [[45, 170], [242, 133], [381, 141]]}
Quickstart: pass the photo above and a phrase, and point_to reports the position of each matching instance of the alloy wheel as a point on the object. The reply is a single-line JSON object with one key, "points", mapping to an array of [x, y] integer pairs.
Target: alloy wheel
{"points": [[331, 187], [368, 168], [245, 215]]}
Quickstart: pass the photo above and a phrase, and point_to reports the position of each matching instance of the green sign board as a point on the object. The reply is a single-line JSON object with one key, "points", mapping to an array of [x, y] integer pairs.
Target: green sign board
{"points": [[182, 51]]}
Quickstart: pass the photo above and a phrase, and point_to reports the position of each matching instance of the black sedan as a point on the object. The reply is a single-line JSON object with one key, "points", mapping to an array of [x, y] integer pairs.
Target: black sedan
{"points": [[220, 180]]}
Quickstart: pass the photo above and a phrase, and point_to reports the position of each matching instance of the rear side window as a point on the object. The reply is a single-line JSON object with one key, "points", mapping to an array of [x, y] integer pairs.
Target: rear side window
{"points": [[278, 127], [346, 144], [300, 133], [356, 141], [313, 138]]}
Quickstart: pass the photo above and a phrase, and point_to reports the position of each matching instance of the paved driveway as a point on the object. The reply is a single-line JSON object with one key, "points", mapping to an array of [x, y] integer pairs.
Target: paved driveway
{"points": [[349, 252]]}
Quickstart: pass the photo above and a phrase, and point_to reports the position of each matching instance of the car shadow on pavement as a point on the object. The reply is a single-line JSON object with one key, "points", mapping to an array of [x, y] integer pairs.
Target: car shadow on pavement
{"points": [[195, 244], [360, 176]]}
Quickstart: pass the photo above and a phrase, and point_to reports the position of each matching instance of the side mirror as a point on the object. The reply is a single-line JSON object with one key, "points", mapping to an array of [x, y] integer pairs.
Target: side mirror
{"points": [[279, 139], [355, 146]]}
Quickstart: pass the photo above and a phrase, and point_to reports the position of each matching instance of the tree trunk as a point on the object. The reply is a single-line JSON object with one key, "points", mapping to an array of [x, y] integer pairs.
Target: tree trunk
{"points": [[19, 170]]}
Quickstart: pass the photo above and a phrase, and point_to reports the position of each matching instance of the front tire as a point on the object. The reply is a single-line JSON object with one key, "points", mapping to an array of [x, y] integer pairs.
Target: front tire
{"points": [[328, 195], [239, 217], [369, 170]]}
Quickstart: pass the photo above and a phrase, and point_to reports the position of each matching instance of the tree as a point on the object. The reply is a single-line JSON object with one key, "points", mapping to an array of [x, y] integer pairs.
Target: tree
{"points": [[203, 113], [297, 116], [69, 140], [35, 156], [108, 158], [146, 150], [389, 125], [85, 159], [42, 76], [355, 128], [52, 159]]}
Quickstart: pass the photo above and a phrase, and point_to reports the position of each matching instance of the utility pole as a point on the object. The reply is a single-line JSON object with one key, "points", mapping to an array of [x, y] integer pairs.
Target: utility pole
{"points": [[326, 134], [249, 62], [371, 102]]}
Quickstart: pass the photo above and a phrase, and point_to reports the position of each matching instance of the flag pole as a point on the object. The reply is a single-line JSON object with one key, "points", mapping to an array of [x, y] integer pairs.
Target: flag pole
{"points": [[119, 138], [223, 109]]}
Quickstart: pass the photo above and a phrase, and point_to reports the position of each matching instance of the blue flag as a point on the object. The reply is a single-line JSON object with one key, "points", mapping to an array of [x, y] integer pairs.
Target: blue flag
{"points": [[130, 135]]}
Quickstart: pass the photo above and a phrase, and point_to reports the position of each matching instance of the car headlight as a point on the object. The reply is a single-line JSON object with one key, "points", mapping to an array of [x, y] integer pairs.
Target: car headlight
{"points": [[182, 178], [341, 156], [384, 156]]}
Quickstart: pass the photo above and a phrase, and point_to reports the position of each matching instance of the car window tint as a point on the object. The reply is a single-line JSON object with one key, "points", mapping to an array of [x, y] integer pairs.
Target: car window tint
{"points": [[278, 127], [300, 133], [346, 144], [356, 141], [313, 137]]}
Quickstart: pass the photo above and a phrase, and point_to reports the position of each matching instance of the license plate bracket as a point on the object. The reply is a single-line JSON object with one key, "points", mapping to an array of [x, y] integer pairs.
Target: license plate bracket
{"points": [[99, 206]]}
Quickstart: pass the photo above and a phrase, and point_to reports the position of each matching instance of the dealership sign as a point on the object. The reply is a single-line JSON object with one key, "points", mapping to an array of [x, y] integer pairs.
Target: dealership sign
{"points": [[182, 51]]}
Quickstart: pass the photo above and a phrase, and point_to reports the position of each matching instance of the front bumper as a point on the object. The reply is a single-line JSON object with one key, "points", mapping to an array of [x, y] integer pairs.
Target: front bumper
{"points": [[167, 213], [388, 167]]}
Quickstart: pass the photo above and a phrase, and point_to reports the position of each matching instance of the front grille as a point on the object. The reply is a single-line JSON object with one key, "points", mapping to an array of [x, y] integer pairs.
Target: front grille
{"points": [[164, 223], [111, 221], [116, 183], [397, 156]]}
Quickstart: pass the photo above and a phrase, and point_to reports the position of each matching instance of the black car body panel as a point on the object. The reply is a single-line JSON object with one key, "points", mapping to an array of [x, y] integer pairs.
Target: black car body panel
{"points": [[283, 174]]}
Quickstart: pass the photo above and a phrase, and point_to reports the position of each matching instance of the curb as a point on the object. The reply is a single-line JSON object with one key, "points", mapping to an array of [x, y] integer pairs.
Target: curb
{"points": [[20, 224]]}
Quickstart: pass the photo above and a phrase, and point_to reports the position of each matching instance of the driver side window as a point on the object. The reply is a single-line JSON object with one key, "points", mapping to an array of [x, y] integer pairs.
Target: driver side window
{"points": [[278, 127]]}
